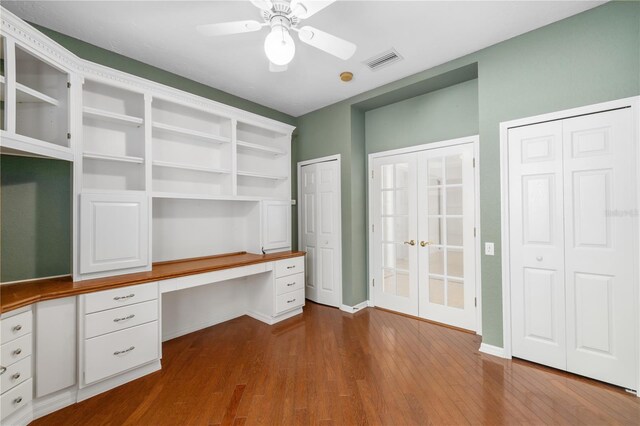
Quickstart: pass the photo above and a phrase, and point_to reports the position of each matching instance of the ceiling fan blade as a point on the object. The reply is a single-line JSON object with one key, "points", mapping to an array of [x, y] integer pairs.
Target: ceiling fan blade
{"points": [[227, 28], [331, 44], [306, 8], [262, 4], [277, 68]]}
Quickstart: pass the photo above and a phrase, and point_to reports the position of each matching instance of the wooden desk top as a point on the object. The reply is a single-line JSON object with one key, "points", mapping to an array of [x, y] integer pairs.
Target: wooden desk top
{"points": [[14, 296]]}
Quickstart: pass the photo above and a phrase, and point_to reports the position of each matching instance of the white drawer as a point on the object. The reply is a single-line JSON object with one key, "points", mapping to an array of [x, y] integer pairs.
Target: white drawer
{"points": [[16, 398], [288, 301], [116, 352], [290, 283], [15, 374], [289, 266], [15, 350], [120, 318], [15, 326], [118, 297]]}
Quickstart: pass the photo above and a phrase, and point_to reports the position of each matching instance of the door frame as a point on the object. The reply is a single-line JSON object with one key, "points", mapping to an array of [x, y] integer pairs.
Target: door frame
{"points": [[338, 158], [475, 141], [634, 104]]}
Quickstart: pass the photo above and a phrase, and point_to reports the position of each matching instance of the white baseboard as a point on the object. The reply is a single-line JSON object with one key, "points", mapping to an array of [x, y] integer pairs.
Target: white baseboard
{"points": [[354, 309], [195, 327], [22, 417], [54, 402], [273, 320], [370, 304], [492, 350], [95, 389]]}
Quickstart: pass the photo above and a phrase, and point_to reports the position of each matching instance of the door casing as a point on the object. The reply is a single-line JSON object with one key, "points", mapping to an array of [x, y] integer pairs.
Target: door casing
{"points": [[475, 140], [301, 164], [634, 104]]}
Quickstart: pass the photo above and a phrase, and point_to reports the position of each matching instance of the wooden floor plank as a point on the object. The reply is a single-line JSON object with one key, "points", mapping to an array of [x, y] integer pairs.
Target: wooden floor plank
{"points": [[332, 368]]}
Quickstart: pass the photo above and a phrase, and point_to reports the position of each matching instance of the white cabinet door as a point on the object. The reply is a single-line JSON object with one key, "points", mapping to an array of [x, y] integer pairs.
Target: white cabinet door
{"points": [[537, 244], [56, 345], [276, 225], [114, 231], [600, 225]]}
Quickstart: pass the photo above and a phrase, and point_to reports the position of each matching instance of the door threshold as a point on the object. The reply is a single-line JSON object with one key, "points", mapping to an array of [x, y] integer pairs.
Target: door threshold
{"points": [[464, 330]]}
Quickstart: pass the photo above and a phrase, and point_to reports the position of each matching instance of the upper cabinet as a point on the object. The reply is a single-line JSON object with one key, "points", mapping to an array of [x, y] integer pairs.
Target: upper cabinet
{"points": [[35, 103]]}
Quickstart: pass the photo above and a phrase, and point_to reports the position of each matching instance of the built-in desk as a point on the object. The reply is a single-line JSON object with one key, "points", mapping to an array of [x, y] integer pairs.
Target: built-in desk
{"points": [[69, 341]]}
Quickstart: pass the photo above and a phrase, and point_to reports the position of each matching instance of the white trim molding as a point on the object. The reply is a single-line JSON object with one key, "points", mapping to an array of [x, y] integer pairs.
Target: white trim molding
{"points": [[356, 308], [632, 102], [492, 350]]}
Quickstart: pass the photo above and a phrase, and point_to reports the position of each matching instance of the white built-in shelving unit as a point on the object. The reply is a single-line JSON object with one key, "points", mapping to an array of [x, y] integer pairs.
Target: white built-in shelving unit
{"points": [[3, 83]]}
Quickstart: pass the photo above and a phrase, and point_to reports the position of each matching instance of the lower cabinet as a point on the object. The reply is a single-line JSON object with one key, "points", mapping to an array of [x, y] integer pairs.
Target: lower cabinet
{"points": [[120, 331], [16, 345]]}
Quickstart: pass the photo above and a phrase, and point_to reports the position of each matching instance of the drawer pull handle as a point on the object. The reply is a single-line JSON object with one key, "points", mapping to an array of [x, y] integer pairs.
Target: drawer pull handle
{"points": [[129, 296], [2, 369], [17, 328], [291, 267], [124, 318], [15, 376], [18, 400], [124, 351], [290, 284], [291, 301], [17, 351]]}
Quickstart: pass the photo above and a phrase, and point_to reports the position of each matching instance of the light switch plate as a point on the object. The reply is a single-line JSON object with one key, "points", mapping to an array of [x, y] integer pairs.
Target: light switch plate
{"points": [[488, 249]]}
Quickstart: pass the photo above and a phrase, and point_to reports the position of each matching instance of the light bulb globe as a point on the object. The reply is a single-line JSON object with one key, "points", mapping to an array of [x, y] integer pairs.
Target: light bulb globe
{"points": [[279, 46]]}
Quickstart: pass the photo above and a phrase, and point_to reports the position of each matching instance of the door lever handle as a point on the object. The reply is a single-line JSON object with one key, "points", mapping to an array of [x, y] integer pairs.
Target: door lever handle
{"points": [[411, 242], [425, 243]]}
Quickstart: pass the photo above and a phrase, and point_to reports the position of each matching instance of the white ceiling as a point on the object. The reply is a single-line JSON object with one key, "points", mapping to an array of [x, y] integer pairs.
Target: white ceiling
{"points": [[425, 33]]}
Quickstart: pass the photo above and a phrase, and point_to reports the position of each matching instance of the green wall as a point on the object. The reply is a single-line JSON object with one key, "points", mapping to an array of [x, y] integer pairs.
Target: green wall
{"points": [[36, 217], [588, 58], [34, 241]]}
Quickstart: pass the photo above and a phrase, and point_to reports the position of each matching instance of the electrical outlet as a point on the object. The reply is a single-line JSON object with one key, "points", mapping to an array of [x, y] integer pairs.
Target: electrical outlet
{"points": [[488, 249]]}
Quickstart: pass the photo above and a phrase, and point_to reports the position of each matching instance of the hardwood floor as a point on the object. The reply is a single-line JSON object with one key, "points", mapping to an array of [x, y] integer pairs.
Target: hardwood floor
{"points": [[329, 367]]}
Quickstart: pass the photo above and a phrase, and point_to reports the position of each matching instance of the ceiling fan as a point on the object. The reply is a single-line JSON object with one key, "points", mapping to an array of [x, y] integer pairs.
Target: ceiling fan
{"points": [[284, 16]]}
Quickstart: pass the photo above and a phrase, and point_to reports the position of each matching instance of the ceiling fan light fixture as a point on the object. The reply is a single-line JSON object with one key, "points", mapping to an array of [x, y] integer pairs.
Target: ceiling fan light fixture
{"points": [[279, 46]]}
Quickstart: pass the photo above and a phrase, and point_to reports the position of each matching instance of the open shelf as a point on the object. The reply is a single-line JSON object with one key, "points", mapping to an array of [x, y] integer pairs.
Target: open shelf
{"points": [[261, 176], [106, 157], [112, 116], [260, 148], [190, 132], [26, 94], [172, 165]]}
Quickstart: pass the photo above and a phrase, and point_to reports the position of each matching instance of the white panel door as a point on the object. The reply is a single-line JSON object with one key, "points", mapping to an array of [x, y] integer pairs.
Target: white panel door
{"points": [[446, 249], [537, 244], [395, 233], [600, 230], [276, 225], [114, 231], [321, 231]]}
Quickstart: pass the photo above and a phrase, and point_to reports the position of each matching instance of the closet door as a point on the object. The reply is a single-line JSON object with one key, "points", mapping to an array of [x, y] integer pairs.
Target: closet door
{"points": [[600, 229], [395, 233], [446, 219], [537, 244]]}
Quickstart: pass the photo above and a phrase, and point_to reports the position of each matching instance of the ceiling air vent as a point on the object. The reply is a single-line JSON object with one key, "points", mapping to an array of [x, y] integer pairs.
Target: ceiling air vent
{"points": [[383, 59]]}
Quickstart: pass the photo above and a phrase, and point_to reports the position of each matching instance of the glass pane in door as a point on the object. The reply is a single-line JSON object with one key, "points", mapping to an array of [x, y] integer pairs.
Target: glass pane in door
{"points": [[395, 229], [444, 213]]}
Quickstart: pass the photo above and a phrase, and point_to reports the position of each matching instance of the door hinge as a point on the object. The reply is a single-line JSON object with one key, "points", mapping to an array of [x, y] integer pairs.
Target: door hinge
{"points": [[68, 84], [68, 135], [474, 163], [373, 227], [475, 302], [474, 232], [371, 174], [373, 281]]}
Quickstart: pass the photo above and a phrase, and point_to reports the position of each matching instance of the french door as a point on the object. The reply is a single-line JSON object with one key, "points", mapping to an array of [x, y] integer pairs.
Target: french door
{"points": [[572, 228], [423, 234]]}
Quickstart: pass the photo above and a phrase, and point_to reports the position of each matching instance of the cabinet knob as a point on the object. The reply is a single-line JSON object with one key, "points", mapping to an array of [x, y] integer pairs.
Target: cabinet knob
{"points": [[124, 318], [15, 376], [129, 296], [290, 284], [17, 328], [17, 351], [18, 400], [2, 369], [124, 351], [291, 267], [539, 258], [291, 301]]}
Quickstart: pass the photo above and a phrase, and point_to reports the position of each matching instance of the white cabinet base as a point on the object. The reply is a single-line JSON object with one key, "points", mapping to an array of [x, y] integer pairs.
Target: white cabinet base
{"points": [[267, 319]]}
